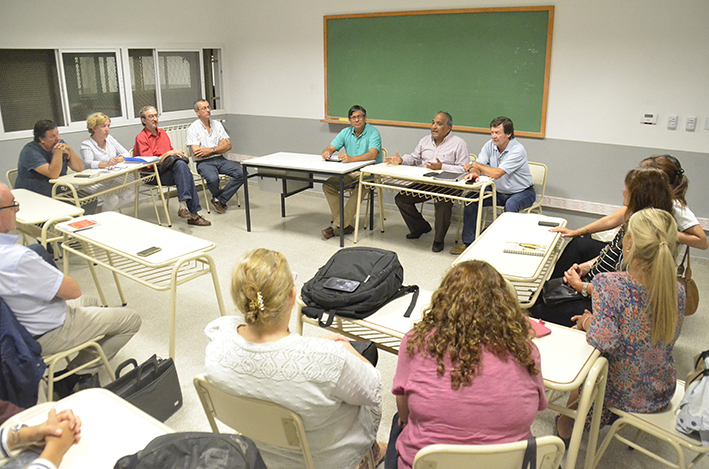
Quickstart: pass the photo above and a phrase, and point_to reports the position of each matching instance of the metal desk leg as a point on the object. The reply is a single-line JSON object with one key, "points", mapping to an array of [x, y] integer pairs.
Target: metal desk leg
{"points": [[342, 210], [162, 197], [359, 206], [117, 280], [284, 190], [87, 249], [215, 281], [246, 198], [371, 209]]}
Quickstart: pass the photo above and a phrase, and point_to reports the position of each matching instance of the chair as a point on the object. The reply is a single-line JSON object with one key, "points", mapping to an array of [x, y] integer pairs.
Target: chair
{"points": [[11, 178], [661, 425], [550, 451], [259, 420], [262, 421], [152, 191], [539, 176], [52, 360], [200, 181]]}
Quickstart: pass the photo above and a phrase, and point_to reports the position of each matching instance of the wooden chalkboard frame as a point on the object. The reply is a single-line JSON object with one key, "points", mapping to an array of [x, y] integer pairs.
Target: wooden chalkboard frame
{"points": [[521, 132]]}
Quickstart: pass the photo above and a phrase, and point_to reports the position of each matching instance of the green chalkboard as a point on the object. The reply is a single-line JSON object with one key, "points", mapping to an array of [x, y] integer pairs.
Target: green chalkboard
{"points": [[478, 64]]}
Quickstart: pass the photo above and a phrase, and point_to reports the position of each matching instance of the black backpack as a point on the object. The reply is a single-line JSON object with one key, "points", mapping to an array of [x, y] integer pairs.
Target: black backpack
{"points": [[195, 449], [355, 283]]}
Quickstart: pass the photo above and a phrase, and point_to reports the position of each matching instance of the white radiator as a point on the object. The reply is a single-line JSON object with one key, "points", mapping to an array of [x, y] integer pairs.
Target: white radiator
{"points": [[178, 136]]}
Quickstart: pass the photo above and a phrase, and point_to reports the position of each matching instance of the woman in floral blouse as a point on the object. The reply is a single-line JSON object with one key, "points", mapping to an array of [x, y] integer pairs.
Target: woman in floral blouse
{"points": [[637, 317]]}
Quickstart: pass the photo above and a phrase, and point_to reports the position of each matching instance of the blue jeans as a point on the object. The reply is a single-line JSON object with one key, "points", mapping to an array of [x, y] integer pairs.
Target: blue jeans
{"points": [[181, 176], [511, 202], [211, 169]]}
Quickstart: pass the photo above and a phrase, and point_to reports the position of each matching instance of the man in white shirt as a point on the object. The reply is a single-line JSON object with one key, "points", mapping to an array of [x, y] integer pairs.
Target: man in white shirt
{"points": [[440, 150], [209, 141], [47, 303]]}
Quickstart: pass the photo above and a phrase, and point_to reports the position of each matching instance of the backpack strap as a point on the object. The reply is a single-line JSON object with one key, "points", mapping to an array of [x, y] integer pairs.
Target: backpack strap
{"points": [[530, 455], [409, 289]]}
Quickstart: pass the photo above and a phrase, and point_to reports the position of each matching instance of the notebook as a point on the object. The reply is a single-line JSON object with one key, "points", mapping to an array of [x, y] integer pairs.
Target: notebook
{"points": [[526, 249]]}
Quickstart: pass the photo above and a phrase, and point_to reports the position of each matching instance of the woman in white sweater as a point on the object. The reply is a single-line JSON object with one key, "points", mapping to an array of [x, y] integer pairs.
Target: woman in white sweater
{"points": [[335, 390]]}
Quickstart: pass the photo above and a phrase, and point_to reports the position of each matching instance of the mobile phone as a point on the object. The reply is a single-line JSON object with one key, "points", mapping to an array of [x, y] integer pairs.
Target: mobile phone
{"points": [[548, 223], [431, 174], [341, 284], [149, 251]]}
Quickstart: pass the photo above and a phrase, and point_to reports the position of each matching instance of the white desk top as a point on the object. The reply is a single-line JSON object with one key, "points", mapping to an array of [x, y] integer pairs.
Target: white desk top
{"points": [[565, 352], [103, 174], [127, 236], [513, 227], [304, 162], [37, 208], [110, 428], [416, 173]]}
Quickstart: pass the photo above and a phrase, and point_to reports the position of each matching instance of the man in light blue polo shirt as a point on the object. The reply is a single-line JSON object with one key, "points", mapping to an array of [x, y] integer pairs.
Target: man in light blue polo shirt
{"points": [[503, 159], [362, 142]]}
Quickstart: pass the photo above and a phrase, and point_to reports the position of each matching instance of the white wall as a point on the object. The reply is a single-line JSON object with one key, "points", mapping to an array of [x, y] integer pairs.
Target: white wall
{"points": [[612, 61]]}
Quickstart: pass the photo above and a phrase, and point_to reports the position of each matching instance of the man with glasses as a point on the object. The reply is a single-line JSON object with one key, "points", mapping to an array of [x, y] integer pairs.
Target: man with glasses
{"points": [[46, 157], [153, 141], [49, 304], [209, 141], [362, 142]]}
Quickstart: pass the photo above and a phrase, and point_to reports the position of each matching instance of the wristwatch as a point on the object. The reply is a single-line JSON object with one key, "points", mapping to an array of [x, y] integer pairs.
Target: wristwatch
{"points": [[584, 290], [214, 151]]}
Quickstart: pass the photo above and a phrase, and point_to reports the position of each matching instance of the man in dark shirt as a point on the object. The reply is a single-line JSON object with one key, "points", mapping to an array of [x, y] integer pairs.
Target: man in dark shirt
{"points": [[46, 157]]}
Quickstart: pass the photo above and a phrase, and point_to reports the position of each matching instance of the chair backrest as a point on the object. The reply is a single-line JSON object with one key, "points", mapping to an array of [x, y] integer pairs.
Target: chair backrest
{"points": [[385, 153], [11, 178], [550, 450], [259, 420], [539, 176], [473, 157]]}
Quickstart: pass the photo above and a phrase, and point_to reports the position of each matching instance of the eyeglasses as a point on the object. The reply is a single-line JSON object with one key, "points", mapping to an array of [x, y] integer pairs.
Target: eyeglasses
{"points": [[357, 118], [15, 204]]}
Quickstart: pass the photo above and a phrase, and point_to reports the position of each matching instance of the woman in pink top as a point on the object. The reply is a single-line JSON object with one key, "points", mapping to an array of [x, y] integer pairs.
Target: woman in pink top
{"points": [[468, 373]]}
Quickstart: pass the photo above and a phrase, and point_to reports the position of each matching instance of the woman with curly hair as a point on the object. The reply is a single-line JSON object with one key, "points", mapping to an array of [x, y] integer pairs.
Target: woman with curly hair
{"points": [[334, 389], [465, 364]]}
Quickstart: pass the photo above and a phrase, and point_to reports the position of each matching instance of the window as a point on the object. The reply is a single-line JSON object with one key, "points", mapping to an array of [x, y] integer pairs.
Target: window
{"points": [[29, 88], [180, 83], [142, 76], [68, 86], [92, 84]]}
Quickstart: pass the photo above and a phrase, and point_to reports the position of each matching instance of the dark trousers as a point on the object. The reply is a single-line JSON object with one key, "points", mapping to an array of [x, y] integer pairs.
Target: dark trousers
{"points": [[181, 176], [415, 221], [211, 169], [391, 460], [581, 249]]}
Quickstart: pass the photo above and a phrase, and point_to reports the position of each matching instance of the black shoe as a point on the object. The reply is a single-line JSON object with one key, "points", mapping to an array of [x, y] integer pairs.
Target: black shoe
{"points": [[87, 382], [64, 387], [437, 247], [418, 234]]}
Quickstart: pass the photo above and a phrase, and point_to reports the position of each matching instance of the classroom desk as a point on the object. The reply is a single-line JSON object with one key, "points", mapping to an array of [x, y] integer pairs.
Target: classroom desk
{"points": [[526, 273], [79, 190], [115, 242], [38, 214], [567, 360], [110, 427], [310, 168], [411, 181]]}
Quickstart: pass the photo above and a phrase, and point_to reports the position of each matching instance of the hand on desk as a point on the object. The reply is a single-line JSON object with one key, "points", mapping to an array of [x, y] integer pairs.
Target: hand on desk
{"points": [[436, 165], [583, 321], [345, 158], [565, 232], [396, 159]]}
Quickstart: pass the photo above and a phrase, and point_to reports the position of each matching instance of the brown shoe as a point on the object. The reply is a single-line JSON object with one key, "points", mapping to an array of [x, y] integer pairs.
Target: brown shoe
{"points": [[348, 230], [198, 221], [218, 206], [328, 232], [183, 213], [459, 249]]}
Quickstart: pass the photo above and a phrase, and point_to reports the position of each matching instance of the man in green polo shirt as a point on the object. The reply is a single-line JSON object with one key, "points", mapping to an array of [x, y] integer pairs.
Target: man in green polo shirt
{"points": [[362, 142]]}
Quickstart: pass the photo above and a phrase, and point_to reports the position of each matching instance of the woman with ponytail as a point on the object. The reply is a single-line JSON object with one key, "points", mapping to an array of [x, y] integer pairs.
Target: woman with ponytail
{"points": [[335, 390], [637, 317]]}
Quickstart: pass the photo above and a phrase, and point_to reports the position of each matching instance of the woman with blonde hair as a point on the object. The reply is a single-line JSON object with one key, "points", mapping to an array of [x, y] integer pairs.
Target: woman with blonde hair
{"points": [[465, 365], [637, 317], [335, 390], [101, 150]]}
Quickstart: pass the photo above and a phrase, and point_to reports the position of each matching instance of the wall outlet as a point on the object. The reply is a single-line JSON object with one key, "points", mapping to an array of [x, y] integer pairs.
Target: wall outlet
{"points": [[691, 123], [672, 122]]}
